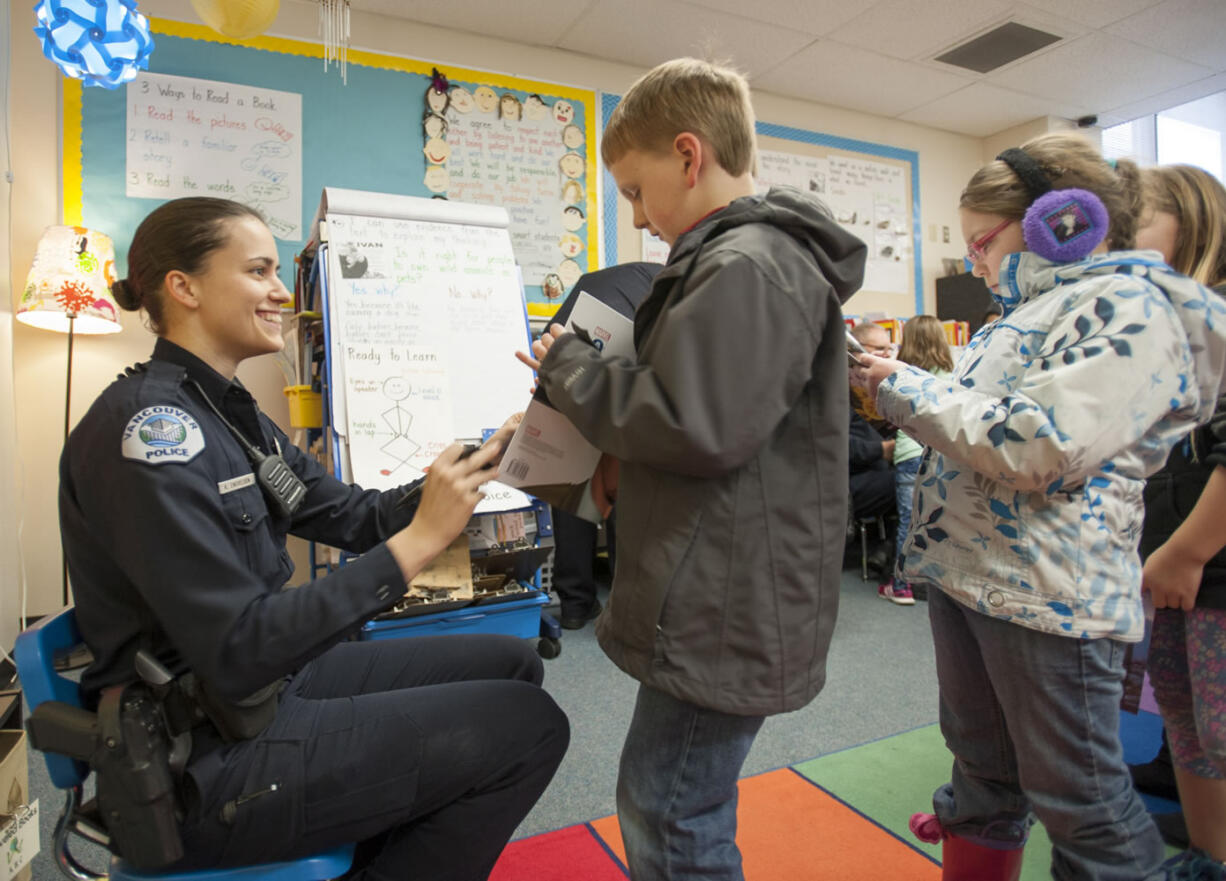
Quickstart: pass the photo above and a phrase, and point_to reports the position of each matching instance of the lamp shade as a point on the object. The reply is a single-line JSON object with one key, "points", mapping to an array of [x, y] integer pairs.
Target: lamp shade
{"points": [[71, 278], [100, 42]]}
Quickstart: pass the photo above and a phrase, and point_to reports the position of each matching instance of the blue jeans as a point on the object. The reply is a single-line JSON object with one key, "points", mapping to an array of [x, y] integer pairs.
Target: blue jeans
{"points": [[676, 789], [904, 492], [1033, 722]]}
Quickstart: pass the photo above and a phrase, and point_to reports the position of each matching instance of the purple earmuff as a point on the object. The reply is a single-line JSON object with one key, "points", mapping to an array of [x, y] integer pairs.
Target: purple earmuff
{"points": [[1065, 225]]}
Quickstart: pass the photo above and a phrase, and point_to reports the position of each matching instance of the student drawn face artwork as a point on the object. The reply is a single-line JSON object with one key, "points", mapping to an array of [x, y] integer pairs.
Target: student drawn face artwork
{"points": [[535, 107], [509, 108], [433, 125], [571, 165], [572, 137], [572, 192], [552, 286], [437, 101], [461, 99], [486, 100], [569, 272], [563, 112], [437, 179], [396, 388], [437, 151], [572, 218], [570, 245]]}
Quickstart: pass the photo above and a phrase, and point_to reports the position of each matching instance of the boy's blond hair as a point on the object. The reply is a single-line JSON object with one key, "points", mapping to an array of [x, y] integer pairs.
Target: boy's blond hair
{"points": [[685, 95], [1068, 160]]}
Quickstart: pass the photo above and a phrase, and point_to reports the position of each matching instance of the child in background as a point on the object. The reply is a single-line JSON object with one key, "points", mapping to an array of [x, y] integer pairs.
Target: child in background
{"points": [[924, 345], [731, 427], [1028, 509], [1185, 566]]}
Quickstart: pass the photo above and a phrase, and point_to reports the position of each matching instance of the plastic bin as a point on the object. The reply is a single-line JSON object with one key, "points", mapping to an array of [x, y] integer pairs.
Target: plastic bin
{"points": [[306, 408], [512, 616]]}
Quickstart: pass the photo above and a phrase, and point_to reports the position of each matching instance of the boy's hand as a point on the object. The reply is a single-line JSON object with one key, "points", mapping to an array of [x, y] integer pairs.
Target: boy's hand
{"points": [[872, 371], [541, 346]]}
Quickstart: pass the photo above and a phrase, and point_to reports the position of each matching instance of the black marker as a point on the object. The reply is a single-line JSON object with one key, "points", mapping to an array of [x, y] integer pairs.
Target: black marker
{"points": [[413, 493]]}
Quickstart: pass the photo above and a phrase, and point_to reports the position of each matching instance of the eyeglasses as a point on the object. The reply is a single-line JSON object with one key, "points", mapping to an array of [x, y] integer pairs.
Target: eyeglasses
{"points": [[975, 250]]}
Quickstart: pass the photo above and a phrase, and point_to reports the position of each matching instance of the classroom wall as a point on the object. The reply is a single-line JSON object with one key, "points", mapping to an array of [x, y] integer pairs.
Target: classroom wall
{"points": [[946, 161]]}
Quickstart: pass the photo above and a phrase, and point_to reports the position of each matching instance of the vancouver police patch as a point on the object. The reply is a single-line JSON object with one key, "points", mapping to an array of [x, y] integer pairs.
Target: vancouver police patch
{"points": [[158, 435]]}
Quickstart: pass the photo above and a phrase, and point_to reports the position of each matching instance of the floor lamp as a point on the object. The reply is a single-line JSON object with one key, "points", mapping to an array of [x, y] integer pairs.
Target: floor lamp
{"points": [[69, 291]]}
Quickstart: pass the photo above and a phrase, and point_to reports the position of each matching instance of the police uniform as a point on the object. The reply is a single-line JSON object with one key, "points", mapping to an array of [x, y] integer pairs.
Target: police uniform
{"points": [[172, 548]]}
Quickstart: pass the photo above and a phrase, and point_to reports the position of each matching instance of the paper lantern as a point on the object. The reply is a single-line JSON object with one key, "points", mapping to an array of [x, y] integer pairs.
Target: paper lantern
{"points": [[240, 19], [100, 42]]}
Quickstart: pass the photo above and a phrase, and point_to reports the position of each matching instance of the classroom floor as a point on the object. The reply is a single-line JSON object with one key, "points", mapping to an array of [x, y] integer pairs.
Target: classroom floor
{"points": [[827, 783]]}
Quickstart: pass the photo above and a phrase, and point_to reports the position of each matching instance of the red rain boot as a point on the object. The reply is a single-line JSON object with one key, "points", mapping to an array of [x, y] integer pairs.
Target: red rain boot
{"points": [[963, 859]]}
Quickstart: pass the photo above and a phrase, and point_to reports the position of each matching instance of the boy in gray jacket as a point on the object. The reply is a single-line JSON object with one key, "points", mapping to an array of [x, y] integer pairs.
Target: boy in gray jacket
{"points": [[731, 427]]}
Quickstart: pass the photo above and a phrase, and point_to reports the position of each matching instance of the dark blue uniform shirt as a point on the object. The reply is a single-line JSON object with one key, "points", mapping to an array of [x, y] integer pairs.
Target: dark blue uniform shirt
{"points": [[171, 546]]}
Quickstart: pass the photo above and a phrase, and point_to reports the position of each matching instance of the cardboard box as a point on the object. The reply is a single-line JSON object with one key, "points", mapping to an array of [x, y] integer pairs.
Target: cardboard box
{"points": [[19, 848]]}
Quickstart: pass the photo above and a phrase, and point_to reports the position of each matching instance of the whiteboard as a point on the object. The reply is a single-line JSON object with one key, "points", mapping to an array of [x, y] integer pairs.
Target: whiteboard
{"points": [[426, 311]]}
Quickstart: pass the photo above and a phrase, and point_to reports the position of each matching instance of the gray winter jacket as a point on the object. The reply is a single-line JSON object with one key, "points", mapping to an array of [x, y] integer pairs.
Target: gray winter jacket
{"points": [[732, 431]]}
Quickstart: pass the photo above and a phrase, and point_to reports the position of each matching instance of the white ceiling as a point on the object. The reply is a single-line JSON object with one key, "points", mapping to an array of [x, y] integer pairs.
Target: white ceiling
{"points": [[1117, 59]]}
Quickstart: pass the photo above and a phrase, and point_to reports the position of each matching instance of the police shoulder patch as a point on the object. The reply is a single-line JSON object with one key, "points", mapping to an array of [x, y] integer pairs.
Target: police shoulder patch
{"points": [[162, 434]]}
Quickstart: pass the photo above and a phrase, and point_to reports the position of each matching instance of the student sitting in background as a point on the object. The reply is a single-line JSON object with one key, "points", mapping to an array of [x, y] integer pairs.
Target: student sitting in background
{"points": [[731, 426], [925, 345], [1185, 561]]}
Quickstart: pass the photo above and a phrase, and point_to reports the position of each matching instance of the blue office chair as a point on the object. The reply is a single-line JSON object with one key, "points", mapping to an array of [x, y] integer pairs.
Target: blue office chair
{"points": [[35, 653]]}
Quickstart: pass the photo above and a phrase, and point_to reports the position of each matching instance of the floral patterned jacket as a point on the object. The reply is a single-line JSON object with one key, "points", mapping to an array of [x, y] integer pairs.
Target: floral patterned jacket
{"points": [[1028, 502]]}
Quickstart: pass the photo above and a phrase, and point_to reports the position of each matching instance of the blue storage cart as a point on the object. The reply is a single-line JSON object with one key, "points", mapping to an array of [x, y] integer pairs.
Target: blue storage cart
{"points": [[512, 615]]}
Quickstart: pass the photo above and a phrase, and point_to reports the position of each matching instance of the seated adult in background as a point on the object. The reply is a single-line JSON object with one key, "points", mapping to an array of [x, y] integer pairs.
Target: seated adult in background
{"points": [[622, 288], [871, 482], [426, 752], [876, 341]]}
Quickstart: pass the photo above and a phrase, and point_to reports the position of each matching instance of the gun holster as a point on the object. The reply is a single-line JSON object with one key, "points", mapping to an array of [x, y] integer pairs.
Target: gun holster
{"points": [[128, 745]]}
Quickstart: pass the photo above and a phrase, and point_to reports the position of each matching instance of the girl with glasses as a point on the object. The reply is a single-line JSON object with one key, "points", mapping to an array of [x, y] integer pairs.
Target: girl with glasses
{"points": [[1028, 509]]}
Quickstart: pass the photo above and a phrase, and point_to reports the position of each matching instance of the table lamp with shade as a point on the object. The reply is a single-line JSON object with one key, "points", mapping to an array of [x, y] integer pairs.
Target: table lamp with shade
{"points": [[69, 291]]}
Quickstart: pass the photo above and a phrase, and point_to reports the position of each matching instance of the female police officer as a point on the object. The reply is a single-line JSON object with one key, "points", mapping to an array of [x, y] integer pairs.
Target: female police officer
{"points": [[426, 751]]}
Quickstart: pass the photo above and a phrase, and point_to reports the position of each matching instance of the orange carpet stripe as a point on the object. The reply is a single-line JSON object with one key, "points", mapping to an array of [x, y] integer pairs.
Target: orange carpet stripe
{"points": [[789, 829]]}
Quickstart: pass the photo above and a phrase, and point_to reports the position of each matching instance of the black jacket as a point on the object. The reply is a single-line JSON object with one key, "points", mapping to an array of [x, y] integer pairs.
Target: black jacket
{"points": [[172, 548], [1172, 493]]}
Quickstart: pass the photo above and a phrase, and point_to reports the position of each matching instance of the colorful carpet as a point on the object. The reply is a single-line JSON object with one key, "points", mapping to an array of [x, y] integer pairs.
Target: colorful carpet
{"points": [[841, 816]]}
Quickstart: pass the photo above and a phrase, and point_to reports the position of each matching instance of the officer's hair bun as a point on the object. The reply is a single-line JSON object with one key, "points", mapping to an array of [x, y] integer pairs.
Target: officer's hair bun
{"points": [[126, 295]]}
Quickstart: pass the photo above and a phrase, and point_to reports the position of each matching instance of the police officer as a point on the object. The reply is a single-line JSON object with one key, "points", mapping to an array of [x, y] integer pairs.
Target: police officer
{"points": [[427, 752]]}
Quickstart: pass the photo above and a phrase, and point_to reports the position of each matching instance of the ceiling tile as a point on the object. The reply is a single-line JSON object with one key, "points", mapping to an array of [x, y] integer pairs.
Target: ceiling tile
{"points": [[1194, 30], [982, 110], [918, 28], [1095, 13], [845, 76], [540, 23], [817, 17], [1098, 71], [647, 32], [1163, 101]]}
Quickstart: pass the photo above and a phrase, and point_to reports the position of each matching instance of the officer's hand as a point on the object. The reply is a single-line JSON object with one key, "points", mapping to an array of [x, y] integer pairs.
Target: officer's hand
{"points": [[541, 347], [449, 495]]}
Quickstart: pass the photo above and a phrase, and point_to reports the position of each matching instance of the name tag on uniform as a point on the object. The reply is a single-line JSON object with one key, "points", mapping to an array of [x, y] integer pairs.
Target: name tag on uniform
{"points": [[234, 483]]}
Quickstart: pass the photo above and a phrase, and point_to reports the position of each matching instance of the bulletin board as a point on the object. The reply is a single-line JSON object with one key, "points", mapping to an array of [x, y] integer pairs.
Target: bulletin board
{"points": [[261, 121], [871, 189]]}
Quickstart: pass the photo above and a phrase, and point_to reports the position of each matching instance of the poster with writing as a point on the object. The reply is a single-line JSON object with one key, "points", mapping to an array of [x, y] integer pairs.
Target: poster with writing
{"points": [[867, 198], [527, 153], [194, 137], [428, 316]]}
